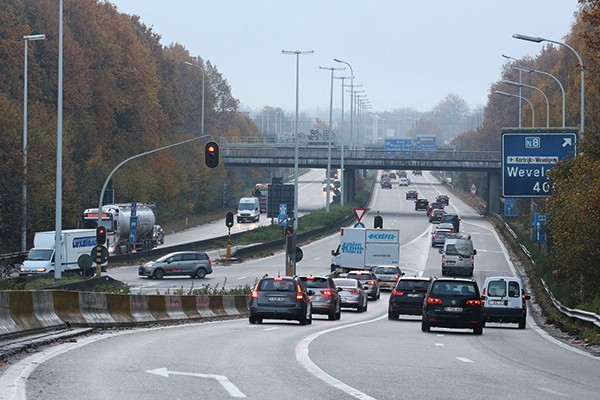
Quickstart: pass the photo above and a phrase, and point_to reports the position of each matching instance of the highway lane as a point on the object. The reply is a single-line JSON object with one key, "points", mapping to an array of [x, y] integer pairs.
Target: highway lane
{"points": [[362, 356]]}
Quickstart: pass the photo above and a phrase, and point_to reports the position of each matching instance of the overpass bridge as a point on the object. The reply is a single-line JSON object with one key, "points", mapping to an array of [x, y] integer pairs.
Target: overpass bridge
{"points": [[264, 153]]}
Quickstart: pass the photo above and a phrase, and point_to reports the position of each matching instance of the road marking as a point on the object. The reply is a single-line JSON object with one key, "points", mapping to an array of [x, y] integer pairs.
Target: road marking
{"points": [[222, 379], [270, 329], [304, 359], [543, 389], [463, 359], [241, 277], [439, 344], [440, 335]]}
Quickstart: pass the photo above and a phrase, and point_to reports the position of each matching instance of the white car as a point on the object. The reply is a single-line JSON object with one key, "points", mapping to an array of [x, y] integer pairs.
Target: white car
{"points": [[404, 182]]}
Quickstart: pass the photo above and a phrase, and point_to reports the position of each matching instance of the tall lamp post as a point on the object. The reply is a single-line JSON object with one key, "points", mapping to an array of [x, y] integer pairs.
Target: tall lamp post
{"points": [[327, 197], [297, 53], [581, 68], [202, 70], [520, 92], [520, 85], [351, 95], [343, 142], [562, 89], [26, 39], [59, 153], [501, 93]]}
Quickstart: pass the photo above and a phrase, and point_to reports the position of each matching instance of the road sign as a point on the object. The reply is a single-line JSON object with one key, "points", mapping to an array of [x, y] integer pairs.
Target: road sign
{"points": [[359, 212], [282, 209], [510, 207], [528, 155], [359, 225], [539, 227], [473, 189], [133, 209], [132, 237], [133, 221], [396, 147], [282, 220]]}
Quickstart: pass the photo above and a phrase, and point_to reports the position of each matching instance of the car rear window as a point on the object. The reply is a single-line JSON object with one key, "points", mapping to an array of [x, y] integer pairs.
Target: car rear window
{"points": [[315, 282], [513, 289], [346, 282], [386, 270], [497, 289], [412, 285], [360, 277], [272, 285], [454, 288]]}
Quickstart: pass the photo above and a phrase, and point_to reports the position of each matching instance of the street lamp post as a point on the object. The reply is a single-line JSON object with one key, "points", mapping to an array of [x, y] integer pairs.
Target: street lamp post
{"points": [[327, 197], [520, 85], [351, 94], [26, 39], [343, 143], [59, 150], [515, 95], [202, 70], [581, 67], [520, 93], [562, 89], [297, 53]]}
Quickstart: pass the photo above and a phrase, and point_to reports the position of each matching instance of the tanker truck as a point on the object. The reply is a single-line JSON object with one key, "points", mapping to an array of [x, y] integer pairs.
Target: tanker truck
{"points": [[116, 218]]}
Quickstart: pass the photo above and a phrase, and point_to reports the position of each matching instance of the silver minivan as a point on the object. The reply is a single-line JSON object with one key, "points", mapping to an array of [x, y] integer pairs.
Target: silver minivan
{"points": [[196, 264], [504, 300], [458, 255]]}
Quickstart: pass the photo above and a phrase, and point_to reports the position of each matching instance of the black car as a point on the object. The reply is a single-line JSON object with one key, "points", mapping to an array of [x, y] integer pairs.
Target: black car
{"points": [[412, 194], [434, 206], [436, 216], [453, 303], [407, 296], [421, 204], [326, 299], [444, 199], [281, 297], [453, 219]]}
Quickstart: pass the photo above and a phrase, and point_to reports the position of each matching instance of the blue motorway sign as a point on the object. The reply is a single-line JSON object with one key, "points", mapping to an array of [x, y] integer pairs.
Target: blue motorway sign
{"points": [[539, 227], [396, 147], [510, 207], [528, 155], [426, 143]]}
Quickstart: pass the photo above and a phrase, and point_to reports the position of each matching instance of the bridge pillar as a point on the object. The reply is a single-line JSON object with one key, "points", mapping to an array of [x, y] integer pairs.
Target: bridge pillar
{"points": [[350, 185], [493, 195]]}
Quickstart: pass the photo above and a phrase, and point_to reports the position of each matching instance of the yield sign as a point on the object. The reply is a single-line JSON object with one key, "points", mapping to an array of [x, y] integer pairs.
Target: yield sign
{"points": [[359, 212]]}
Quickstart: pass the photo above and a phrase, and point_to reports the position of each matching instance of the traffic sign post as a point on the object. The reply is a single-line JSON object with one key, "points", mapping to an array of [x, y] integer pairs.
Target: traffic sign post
{"points": [[538, 228], [528, 155], [510, 207]]}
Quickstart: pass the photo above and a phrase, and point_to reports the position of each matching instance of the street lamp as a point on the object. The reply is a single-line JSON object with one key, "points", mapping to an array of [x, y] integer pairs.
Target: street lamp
{"points": [[520, 93], [327, 197], [26, 39], [581, 67], [59, 150], [520, 85], [297, 53], [514, 95], [562, 89], [351, 95], [202, 70], [342, 140]]}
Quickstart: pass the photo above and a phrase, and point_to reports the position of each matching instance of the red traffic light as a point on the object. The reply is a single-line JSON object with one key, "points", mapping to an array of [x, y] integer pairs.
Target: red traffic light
{"points": [[289, 230], [100, 236], [211, 154]]}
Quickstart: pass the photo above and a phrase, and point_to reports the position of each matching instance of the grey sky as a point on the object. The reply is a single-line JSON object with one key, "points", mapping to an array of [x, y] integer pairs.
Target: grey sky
{"points": [[404, 53]]}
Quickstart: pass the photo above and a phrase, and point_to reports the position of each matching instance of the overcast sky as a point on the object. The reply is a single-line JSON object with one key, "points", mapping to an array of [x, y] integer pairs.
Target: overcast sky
{"points": [[405, 53]]}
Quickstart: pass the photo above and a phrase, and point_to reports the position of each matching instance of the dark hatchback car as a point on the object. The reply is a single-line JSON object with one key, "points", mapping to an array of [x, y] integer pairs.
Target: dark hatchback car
{"points": [[281, 297], [326, 299], [453, 219], [444, 199], [453, 303], [421, 204], [436, 216], [434, 206], [407, 296], [412, 194]]}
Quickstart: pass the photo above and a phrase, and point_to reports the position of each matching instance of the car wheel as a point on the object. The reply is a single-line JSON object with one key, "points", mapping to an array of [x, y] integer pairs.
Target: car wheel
{"points": [[522, 323], [309, 319], [443, 272], [378, 294], [303, 319], [331, 316], [366, 306], [252, 319], [338, 315], [360, 308], [425, 325], [201, 273], [392, 316], [158, 274], [478, 330]]}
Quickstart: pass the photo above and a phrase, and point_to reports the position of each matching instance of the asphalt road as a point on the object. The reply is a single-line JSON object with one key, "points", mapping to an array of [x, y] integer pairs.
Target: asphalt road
{"points": [[363, 356]]}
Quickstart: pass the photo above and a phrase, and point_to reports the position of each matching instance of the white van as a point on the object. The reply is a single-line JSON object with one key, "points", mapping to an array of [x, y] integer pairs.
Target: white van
{"points": [[248, 209], [458, 255], [504, 300]]}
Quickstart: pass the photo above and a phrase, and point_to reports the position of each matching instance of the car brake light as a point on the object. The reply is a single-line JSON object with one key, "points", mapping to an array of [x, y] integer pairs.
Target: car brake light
{"points": [[370, 282], [473, 302], [443, 259], [434, 300], [484, 291], [310, 278], [299, 294], [326, 292], [396, 277], [278, 278], [397, 293], [254, 294], [523, 300], [353, 291]]}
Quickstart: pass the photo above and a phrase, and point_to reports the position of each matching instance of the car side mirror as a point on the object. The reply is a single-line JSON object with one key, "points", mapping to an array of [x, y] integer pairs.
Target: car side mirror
{"points": [[333, 252], [441, 251], [474, 252], [483, 298], [340, 289], [402, 273], [527, 297], [311, 292]]}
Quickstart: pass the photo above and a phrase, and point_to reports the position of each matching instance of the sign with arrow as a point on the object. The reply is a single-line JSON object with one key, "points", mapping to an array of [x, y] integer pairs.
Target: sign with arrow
{"points": [[528, 155]]}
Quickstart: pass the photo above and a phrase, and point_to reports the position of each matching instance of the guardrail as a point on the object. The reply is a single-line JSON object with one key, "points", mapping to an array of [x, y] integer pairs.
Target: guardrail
{"points": [[570, 312]]}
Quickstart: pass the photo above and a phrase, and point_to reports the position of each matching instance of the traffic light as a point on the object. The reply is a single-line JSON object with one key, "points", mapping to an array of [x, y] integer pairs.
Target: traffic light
{"points": [[101, 236], [229, 219], [289, 230], [378, 222], [211, 154]]}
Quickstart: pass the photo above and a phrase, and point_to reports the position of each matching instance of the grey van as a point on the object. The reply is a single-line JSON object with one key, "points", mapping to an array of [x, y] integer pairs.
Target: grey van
{"points": [[504, 300], [458, 255], [196, 264]]}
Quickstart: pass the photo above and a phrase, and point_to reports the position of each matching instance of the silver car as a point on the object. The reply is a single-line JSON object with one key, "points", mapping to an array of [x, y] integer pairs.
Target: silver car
{"points": [[352, 292], [196, 264], [369, 282], [387, 275]]}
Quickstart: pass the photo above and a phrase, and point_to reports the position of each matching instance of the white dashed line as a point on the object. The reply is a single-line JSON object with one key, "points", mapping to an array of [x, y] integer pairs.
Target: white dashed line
{"points": [[463, 359], [439, 344], [241, 277], [270, 329], [554, 392]]}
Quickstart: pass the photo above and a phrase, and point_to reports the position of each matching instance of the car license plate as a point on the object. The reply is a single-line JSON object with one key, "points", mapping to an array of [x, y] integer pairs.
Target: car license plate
{"points": [[454, 309], [412, 295], [277, 299], [496, 302]]}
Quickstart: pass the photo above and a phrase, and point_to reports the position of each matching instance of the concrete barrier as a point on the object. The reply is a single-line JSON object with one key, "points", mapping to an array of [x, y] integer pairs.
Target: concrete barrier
{"points": [[31, 311]]}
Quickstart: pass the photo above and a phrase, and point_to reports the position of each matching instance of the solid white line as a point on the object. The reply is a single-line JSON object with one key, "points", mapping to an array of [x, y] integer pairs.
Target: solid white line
{"points": [[463, 359], [554, 392], [270, 329], [303, 358]]}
